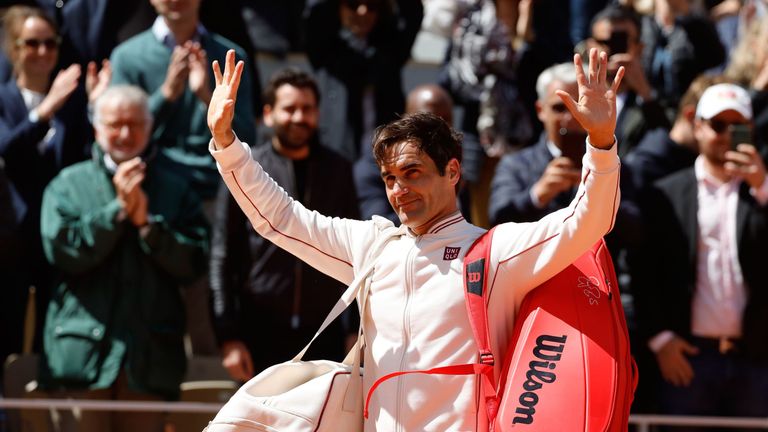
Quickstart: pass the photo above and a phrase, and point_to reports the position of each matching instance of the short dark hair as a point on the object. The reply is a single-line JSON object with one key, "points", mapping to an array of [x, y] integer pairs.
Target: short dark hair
{"points": [[615, 13], [428, 132], [292, 76]]}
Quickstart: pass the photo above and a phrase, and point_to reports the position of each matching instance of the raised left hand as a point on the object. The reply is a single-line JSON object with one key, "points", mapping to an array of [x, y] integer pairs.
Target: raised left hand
{"points": [[596, 108]]}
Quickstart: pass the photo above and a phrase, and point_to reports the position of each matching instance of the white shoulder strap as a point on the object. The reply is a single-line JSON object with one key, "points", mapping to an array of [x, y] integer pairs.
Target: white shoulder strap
{"points": [[351, 292]]}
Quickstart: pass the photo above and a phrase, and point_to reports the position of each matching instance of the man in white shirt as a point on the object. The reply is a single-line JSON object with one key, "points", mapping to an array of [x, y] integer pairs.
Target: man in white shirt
{"points": [[416, 315], [707, 306]]}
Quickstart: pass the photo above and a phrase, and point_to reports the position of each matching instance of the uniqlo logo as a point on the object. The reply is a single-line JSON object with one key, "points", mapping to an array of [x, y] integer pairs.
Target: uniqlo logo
{"points": [[451, 253]]}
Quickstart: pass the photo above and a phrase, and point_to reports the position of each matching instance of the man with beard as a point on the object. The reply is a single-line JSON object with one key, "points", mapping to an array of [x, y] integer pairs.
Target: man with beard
{"points": [[262, 295], [705, 311]]}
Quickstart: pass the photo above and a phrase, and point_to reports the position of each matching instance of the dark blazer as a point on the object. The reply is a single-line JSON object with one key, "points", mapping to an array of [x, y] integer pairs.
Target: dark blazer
{"points": [[636, 119], [511, 186], [27, 168], [664, 301]]}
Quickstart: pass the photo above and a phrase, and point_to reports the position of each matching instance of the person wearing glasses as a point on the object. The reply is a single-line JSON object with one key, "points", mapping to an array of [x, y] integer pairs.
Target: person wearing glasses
{"points": [[706, 308], [43, 128], [123, 234]]}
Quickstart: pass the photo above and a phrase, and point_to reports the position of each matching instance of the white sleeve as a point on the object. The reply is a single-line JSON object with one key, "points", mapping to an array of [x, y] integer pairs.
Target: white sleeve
{"points": [[530, 253], [334, 246]]}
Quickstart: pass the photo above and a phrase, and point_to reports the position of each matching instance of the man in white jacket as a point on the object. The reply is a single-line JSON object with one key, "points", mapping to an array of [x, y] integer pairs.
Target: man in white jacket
{"points": [[415, 317]]}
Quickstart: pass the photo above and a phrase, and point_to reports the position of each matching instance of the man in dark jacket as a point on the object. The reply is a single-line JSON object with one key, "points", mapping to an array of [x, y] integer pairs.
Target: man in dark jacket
{"points": [[123, 235], [267, 303], [703, 303]]}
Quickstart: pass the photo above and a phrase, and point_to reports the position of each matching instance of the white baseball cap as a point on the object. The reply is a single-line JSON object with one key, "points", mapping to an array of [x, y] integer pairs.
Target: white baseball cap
{"points": [[724, 97]]}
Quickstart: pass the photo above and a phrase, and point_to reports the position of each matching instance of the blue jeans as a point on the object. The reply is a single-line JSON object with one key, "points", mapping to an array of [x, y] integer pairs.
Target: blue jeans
{"points": [[723, 385]]}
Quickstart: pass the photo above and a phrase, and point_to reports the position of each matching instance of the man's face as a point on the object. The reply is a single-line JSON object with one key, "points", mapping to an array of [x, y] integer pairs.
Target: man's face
{"points": [[294, 116], [359, 16], [714, 136], [417, 192], [554, 115], [177, 10], [122, 130]]}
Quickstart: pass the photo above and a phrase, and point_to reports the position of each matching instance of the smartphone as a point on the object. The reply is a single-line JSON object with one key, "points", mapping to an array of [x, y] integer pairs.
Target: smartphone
{"points": [[573, 144], [740, 134], [618, 43]]}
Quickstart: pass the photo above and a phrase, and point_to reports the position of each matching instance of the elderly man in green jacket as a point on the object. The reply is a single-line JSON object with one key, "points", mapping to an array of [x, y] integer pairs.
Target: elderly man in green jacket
{"points": [[123, 235]]}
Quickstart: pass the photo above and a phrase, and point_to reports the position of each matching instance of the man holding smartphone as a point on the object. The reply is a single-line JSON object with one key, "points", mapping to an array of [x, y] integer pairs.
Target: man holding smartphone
{"points": [[616, 30], [707, 306]]}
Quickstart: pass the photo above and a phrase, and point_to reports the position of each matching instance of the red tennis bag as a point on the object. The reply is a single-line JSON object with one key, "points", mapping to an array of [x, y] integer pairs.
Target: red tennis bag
{"points": [[568, 367]]}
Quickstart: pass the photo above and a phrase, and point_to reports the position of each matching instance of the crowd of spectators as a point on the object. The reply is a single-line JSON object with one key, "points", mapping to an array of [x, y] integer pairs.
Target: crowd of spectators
{"points": [[114, 219]]}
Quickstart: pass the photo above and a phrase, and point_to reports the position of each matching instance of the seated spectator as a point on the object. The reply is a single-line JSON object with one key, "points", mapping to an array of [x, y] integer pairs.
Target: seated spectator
{"points": [[43, 128], [704, 303], [263, 296], [616, 29], [123, 233]]}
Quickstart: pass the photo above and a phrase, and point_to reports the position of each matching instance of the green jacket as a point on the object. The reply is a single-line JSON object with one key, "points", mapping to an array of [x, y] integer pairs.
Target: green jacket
{"points": [[117, 302], [180, 127]]}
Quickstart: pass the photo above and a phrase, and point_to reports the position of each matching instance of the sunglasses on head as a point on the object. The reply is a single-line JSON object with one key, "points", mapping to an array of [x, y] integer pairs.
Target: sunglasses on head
{"points": [[721, 126], [50, 43]]}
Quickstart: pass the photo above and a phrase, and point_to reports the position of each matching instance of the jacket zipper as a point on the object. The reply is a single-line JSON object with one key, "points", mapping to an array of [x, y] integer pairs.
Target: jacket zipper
{"points": [[406, 326]]}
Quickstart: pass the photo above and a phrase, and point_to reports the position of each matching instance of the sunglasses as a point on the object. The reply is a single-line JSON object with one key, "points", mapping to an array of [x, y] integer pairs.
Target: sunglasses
{"points": [[721, 126], [559, 108], [50, 43]]}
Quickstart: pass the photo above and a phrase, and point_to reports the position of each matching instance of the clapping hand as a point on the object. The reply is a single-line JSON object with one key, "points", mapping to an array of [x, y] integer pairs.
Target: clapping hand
{"points": [[596, 107], [62, 88], [198, 72], [127, 180], [221, 110], [97, 81]]}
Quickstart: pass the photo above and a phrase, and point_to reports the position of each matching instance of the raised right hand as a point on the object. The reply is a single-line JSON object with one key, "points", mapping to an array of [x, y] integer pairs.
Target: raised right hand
{"points": [[673, 362], [560, 175], [237, 360], [221, 110], [61, 89]]}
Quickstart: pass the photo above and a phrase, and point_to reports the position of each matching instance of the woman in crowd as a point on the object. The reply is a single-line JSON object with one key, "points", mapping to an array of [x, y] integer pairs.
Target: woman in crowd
{"points": [[43, 128]]}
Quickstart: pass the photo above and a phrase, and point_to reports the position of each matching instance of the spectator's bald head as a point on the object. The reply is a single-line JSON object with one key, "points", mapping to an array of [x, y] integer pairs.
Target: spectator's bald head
{"points": [[430, 98]]}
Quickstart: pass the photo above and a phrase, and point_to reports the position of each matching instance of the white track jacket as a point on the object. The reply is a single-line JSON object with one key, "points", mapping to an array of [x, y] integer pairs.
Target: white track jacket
{"points": [[416, 316]]}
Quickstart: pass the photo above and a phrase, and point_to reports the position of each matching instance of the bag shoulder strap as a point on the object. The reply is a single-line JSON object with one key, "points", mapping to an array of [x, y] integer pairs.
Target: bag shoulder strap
{"points": [[353, 289], [476, 263]]}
